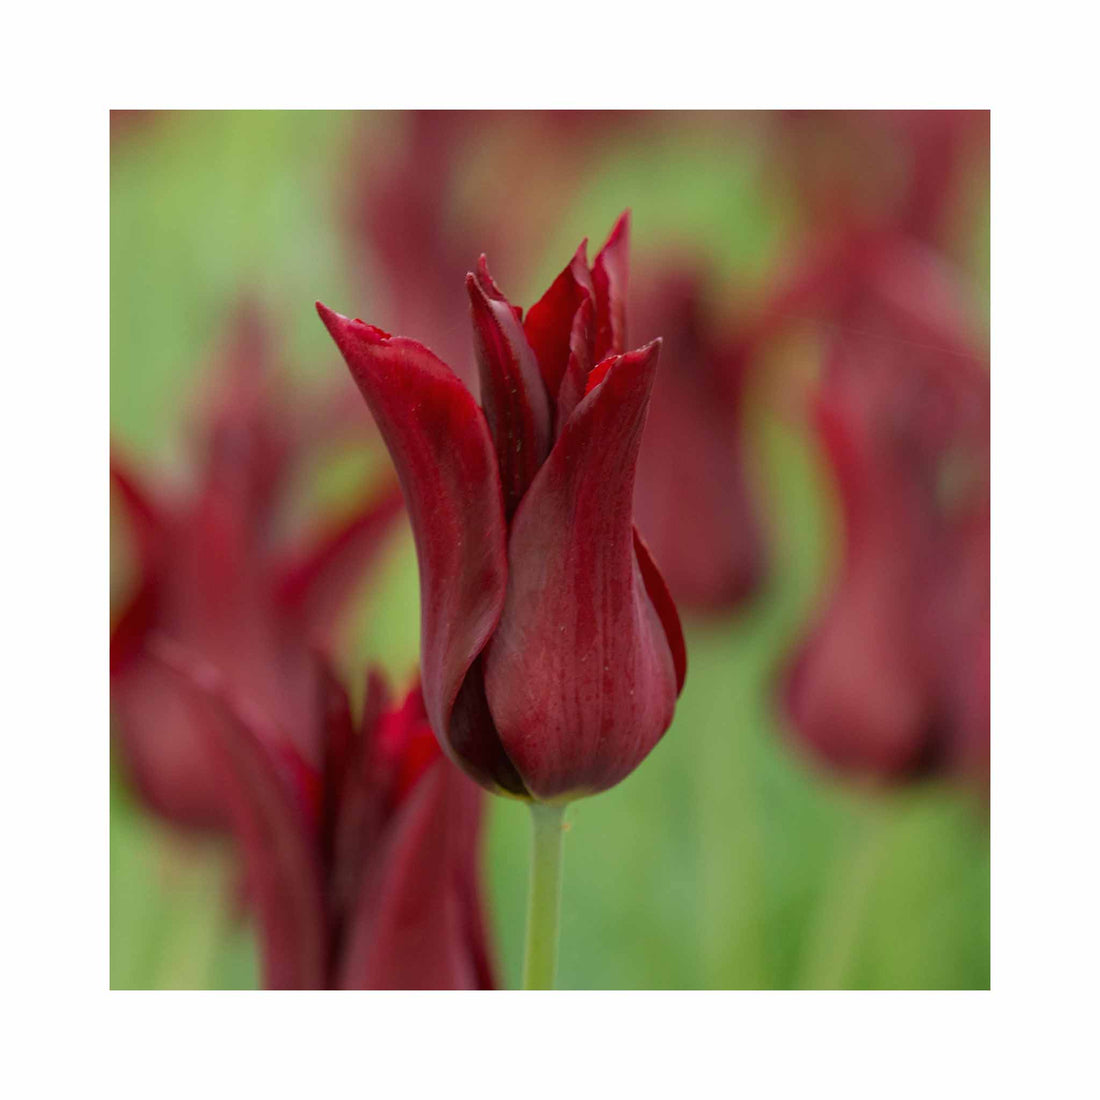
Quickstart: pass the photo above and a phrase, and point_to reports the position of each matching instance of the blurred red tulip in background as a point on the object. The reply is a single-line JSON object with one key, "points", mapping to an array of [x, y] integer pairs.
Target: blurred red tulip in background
{"points": [[213, 576], [890, 680], [363, 867], [693, 498]]}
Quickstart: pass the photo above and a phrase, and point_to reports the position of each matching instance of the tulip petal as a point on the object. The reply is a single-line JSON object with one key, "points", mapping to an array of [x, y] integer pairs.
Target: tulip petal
{"points": [[150, 531], [131, 628], [475, 925], [663, 604], [550, 321], [575, 380], [357, 813], [609, 277], [580, 676], [858, 689], [440, 444], [272, 799], [409, 929], [142, 512], [160, 743], [857, 692], [513, 394], [342, 751]]}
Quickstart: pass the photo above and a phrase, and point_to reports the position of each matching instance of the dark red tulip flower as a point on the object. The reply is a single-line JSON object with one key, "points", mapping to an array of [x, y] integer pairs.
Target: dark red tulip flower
{"points": [[552, 654], [692, 496], [361, 865], [893, 680], [214, 574]]}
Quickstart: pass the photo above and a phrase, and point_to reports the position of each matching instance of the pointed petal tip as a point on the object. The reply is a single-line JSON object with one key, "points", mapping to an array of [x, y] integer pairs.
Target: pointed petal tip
{"points": [[641, 359], [610, 278], [340, 326], [328, 316], [620, 229], [485, 281], [637, 361], [474, 287]]}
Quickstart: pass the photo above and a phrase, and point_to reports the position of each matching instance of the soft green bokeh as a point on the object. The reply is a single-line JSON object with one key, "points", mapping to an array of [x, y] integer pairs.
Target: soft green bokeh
{"points": [[726, 860]]}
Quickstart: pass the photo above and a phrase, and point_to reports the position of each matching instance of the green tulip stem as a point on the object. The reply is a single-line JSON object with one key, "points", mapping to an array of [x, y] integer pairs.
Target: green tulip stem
{"points": [[544, 896]]}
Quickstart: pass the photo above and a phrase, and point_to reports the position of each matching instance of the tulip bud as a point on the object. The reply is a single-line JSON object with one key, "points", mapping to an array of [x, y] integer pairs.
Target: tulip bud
{"points": [[552, 653]]}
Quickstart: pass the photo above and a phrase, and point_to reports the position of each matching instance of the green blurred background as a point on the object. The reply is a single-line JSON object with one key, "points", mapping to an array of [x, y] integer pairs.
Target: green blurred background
{"points": [[729, 859]]}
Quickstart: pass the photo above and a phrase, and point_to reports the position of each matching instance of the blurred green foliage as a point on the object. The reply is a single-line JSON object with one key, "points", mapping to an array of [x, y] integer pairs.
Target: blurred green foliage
{"points": [[727, 860]]}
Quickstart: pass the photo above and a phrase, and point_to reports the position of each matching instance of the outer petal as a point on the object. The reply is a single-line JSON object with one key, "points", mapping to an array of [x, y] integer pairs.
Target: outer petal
{"points": [[512, 391], [580, 676], [151, 532], [131, 627], [609, 276], [410, 928], [355, 813], [859, 690], [271, 793], [342, 751], [160, 745], [549, 322], [149, 525], [661, 598], [469, 813], [440, 444]]}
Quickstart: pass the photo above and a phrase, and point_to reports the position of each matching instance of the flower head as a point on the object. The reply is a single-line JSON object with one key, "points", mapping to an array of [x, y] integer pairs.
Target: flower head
{"points": [[213, 576], [892, 680], [362, 867], [551, 651]]}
